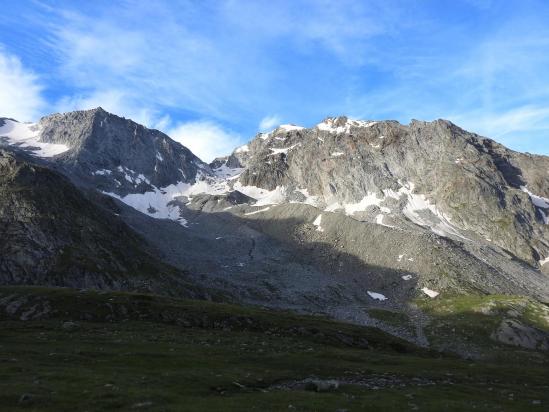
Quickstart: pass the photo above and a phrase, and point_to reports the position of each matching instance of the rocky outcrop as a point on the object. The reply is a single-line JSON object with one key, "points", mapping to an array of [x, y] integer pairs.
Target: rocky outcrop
{"points": [[513, 332], [54, 234]]}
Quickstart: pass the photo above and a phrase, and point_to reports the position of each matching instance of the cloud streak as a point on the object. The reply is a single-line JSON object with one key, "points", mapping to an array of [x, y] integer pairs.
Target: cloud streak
{"points": [[479, 63], [20, 90], [205, 139], [268, 122]]}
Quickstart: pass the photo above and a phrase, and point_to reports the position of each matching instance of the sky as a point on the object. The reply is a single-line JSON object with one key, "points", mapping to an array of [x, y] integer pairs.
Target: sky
{"points": [[211, 74]]}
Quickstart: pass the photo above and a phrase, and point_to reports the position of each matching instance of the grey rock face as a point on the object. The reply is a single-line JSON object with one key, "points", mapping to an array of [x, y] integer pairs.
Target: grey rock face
{"points": [[117, 155], [512, 332], [472, 184], [53, 234]]}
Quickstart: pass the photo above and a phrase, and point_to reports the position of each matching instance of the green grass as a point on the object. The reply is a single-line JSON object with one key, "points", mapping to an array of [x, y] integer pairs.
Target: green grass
{"points": [[390, 317], [394, 319], [470, 320], [142, 358]]}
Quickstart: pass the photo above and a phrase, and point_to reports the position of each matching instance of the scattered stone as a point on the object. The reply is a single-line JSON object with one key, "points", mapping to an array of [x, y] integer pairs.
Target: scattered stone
{"points": [[70, 326], [142, 405], [322, 385], [26, 398]]}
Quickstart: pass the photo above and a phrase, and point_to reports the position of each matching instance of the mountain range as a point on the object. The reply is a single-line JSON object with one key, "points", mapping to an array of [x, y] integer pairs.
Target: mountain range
{"points": [[340, 219]]}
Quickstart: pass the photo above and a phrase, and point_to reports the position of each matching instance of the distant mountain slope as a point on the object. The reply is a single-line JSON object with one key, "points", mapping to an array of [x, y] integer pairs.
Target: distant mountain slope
{"points": [[430, 174]]}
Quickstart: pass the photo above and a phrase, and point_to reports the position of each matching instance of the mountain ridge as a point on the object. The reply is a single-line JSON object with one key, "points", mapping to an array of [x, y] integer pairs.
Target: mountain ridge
{"points": [[336, 218], [58, 235]]}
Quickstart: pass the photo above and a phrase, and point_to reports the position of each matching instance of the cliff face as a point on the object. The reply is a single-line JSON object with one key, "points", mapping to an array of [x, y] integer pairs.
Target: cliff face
{"points": [[109, 152], [432, 174], [53, 234]]}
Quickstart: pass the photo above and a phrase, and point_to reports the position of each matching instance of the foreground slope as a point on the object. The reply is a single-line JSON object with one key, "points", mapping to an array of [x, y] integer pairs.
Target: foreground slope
{"points": [[65, 349]]}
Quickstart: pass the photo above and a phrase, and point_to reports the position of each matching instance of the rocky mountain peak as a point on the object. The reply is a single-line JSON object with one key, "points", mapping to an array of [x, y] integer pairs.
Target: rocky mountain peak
{"points": [[118, 155], [433, 174]]}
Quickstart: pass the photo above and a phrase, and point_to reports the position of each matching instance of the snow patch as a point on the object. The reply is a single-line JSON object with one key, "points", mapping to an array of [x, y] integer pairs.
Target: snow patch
{"points": [[377, 296], [309, 199], [102, 172], [407, 277], [242, 149], [141, 178], [27, 136], [317, 223], [264, 197], [329, 125], [544, 261], [282, 150], [439, 223], [430, 293], [257, 211], [370, 199], [333, 207], [226, 172], [379, 221], [290, 127], [337, 154], [539, 202], [157, 203]]}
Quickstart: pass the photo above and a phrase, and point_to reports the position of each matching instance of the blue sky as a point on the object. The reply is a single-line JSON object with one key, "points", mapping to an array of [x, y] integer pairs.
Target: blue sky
{"points": [[213, 73]]}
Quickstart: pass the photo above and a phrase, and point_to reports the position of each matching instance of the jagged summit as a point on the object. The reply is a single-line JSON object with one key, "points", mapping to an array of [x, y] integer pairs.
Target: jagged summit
{"points": [[115, 154], [466, 182]]}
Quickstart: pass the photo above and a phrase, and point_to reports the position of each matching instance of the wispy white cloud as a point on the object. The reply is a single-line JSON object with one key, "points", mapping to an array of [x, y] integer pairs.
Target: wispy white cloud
{"points": [[226, 67], [161, 62], [479, 62], [496, 86], [342, 29], [268, 122], [523, 128], [205, 138], [20, 90]]}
